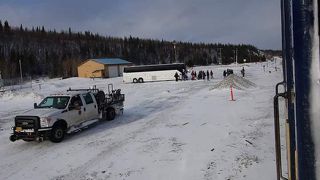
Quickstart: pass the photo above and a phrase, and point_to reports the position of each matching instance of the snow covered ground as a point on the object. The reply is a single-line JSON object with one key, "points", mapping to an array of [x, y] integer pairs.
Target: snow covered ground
{"points": [[169, 130]]}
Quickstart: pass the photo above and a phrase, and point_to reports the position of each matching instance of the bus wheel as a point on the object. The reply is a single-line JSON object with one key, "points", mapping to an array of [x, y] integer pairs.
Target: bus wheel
{"points": [[140, 80], [135, 80]]}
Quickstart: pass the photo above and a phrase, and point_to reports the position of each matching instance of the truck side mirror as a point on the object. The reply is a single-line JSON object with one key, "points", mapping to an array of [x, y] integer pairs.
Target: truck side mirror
{"points": [[35, 105]]}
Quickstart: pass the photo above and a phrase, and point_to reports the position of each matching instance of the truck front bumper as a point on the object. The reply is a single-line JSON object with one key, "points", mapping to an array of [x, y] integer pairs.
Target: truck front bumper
{"points": [[30, 134]]}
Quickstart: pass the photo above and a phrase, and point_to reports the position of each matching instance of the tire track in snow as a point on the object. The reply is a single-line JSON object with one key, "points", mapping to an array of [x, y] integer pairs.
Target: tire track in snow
{"points": [[151, 121]]}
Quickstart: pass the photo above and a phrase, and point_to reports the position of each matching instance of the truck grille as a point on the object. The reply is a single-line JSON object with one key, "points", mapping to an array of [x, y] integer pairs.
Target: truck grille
{"points": [[27, 122]]}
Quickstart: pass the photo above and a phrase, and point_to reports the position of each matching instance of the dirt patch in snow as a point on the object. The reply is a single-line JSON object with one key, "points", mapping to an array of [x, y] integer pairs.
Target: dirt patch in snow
{"points": [[234, 81]]}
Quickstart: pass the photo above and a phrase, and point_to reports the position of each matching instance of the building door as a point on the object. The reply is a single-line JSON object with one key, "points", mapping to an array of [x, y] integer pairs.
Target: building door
{"points": [[113, 71]]}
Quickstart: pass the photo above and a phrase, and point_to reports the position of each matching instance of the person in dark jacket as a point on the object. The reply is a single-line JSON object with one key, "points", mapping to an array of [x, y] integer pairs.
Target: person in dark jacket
{"points": [[224, 73], [176, 76], [183, 76], [208, 77], [242, 71], [211, 73]]}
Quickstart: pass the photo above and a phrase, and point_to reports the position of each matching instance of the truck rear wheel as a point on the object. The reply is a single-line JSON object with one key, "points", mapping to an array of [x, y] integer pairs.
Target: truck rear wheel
{"points": [[57, 133], [28, 140], [104, 115], [111, 114]]}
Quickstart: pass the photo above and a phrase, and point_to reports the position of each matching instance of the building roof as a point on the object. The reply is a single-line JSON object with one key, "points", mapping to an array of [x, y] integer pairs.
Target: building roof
{"points": [[111, 61]]}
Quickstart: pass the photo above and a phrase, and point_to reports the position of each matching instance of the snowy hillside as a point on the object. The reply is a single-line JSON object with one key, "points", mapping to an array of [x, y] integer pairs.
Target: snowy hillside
{"points": [[169, 130]]}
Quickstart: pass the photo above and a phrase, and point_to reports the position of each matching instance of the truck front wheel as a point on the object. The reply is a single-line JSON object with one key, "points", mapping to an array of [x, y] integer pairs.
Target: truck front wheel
{"points": [[57, 133]]}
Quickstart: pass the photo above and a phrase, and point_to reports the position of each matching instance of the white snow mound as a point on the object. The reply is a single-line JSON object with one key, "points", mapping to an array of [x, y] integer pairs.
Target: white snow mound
{"points": [[234, 81]]}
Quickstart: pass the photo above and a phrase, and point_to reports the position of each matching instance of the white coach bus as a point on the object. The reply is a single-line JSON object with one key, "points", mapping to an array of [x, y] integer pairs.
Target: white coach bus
{"points": [[148, 73]]}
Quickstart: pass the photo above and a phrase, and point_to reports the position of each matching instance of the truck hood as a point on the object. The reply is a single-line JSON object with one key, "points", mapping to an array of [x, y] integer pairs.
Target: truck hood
{"points": [[42, 112]]}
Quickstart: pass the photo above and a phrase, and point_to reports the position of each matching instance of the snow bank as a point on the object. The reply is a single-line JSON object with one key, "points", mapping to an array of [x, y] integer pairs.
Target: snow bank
{"points": [[234, 81], [163, 126], [12, 102], [10, 95]]}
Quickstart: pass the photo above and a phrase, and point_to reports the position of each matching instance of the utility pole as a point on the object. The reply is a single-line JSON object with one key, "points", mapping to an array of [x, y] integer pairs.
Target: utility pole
{"points": [[236, 56], [175, 54], [20, 70], [220, 56]]}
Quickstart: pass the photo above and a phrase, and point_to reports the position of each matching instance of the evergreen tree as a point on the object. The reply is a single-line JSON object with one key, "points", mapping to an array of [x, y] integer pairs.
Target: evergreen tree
{"points": [[21, 28], [59, 53], [43, 30], [1, 27], [6, 27]]}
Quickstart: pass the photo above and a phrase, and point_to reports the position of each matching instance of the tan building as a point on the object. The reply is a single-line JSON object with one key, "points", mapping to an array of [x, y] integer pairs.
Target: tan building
{"points": [[102, 68]]}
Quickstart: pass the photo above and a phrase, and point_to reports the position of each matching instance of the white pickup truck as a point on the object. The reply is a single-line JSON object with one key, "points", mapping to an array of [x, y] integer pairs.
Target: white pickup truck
{"points": [[61, 113]]}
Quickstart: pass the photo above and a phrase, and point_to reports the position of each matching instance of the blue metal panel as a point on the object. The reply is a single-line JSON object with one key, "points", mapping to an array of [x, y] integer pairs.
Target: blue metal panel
{"points": [[287, 47], [112, 61], [302, 26]]}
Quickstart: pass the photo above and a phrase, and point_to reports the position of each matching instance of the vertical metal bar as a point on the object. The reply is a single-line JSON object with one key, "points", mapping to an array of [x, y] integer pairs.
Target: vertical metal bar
{"points": [[277, 136], [283, 35], [302, 26], [287, 49], [277, 132]]}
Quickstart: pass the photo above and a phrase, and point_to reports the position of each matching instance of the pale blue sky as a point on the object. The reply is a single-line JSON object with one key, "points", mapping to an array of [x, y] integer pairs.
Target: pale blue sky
{"points": [[255, 22]]}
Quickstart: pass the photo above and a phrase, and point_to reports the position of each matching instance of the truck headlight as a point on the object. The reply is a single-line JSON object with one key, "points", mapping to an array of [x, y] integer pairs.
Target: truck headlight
{"points": [[45, 121]]}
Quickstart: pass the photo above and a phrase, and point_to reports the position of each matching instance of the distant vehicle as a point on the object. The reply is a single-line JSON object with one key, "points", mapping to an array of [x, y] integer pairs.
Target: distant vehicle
{"points": [[149, 73], [64, 113], [229, 71]]}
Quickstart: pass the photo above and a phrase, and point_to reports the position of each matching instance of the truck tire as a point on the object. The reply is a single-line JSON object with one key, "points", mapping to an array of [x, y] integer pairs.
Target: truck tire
{"points": [[57, 133], [104, 115], [140, 80], [135, 80], [28, 140], [111, 114]]}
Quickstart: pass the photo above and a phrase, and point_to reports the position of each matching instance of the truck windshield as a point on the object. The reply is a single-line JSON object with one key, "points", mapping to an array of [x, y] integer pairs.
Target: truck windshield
{"points": [[58, 102]]}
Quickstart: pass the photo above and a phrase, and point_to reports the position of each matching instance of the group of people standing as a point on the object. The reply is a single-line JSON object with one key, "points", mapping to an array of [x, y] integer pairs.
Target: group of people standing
{"points": [[201, 75], [183, 75], [230, 71], [205, 74]]}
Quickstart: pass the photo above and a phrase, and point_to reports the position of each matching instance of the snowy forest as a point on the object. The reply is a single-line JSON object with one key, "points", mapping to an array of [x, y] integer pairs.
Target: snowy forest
{"points": [[50, 53]]}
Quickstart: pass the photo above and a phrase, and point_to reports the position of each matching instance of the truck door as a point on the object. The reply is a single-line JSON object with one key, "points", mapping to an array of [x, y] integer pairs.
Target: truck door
{"points": [[91, 109], [76, 111]]}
